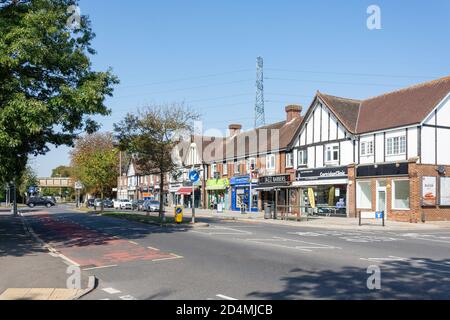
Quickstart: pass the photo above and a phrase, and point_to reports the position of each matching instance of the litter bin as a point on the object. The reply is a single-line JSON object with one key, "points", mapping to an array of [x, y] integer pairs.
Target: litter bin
{"points": [[267, 212], [178, 214]]}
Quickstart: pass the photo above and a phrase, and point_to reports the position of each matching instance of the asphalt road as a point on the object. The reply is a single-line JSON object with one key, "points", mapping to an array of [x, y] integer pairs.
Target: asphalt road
{"points": [[246, 260]]}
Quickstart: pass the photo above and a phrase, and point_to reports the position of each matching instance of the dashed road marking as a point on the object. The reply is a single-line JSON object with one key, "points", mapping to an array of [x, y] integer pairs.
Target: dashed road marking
{"points": [[151, 248], [225, 297], [111, 290], [101, 267], [133, 242], [128, 297]]}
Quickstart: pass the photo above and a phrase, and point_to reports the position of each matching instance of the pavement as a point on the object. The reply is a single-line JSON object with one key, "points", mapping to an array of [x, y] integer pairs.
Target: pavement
{"points": [[29, 271], [236, 259]]}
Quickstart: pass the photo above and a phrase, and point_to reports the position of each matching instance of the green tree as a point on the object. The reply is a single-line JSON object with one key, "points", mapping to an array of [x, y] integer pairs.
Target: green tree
{"points": [[48, 89], [28, 179], [151, 136], [62, 172], [95, 162]]}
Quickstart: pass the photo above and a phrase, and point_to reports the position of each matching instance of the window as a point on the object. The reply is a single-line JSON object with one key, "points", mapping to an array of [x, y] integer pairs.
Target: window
{"points": [[213, 169], [251, 164], [302, 157], [332, 153], [364, 195], [270, 162], [236, 167], [396, 146], [289, 160], [367, 148], [400, 194], [225, 168]]}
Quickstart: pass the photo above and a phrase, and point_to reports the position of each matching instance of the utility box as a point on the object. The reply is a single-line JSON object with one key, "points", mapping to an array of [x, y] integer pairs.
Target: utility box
{"points": [[178, 214], [268, 212]]}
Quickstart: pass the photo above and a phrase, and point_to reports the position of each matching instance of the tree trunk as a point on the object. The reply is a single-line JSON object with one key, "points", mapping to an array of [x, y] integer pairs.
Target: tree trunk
{"points": [[101, 204], [161, 198]]}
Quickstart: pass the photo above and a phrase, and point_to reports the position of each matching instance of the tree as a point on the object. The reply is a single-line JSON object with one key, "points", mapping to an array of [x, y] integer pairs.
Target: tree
{"points": [[27, 180], [95, 162], [151, 135], [48, 90], [62, 172]]}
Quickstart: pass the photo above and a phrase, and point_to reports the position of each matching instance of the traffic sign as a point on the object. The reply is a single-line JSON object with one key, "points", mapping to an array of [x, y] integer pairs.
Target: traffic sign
{"points": [[194, 176], [78, 185]]}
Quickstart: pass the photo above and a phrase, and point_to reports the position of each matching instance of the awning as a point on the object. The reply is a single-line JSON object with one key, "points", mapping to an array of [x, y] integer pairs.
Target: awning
{"points": [[215, 188], [185, 191], [319, 182]]}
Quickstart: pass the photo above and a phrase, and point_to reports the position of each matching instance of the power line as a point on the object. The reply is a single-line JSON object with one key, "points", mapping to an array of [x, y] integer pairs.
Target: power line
{"points": [[336, 82], [354, 74], [184, 89], [184, 79]]}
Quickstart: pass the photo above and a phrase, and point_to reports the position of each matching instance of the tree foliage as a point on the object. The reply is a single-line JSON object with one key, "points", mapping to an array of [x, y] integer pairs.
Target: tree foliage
{"points": [[151, 136], [48, 89], [95, 162]]}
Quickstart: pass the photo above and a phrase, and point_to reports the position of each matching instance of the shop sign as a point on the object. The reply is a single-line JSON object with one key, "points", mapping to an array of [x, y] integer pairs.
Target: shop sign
{"points": [[445, 191], [322, 174], [217, 184], [275, 180], [429, 194], [240, 180]]}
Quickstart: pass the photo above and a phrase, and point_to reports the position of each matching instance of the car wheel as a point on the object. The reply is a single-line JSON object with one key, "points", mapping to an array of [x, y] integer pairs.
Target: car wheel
{"points": [[31, 205], [48, 205]]}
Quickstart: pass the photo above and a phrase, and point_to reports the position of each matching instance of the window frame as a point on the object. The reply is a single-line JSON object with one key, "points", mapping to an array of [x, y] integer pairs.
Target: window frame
{"points": [[302, 157], [358, 194], [225, 168], [396, 142], [393, 183], [332, 147], [367, 148], [290, 156], [270, 156]]}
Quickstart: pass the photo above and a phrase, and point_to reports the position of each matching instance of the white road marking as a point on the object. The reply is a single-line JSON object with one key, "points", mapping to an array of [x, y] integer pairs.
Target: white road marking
{"points": [[221, 231], [127, 297], [225, 297], [102, 267], [151, 248], [133, 242], [292, 244], [171, 258], [111, 290], [390, 258]]}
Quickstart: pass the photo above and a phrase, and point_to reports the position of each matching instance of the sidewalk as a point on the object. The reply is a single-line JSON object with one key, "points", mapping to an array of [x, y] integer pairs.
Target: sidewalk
{"points": [[322, 222], [28, 271]]}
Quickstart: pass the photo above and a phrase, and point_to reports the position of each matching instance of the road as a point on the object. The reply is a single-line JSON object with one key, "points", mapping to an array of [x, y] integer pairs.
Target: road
{"points": [[245, 260]]}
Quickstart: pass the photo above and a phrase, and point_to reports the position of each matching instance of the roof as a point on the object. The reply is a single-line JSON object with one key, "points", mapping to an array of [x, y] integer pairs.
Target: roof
{"points": [[402, 107], [240, 145], [346, 110]]}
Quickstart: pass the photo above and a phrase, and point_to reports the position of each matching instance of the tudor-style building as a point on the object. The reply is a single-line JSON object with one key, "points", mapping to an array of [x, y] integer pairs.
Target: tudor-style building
{"points": [[389, 153]]}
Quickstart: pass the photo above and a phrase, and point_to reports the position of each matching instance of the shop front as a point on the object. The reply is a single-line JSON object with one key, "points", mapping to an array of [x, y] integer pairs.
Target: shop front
{"points": [[240, 194], [185, 193], [323, 191], [174, 198], [274, 190], [218, 195]]}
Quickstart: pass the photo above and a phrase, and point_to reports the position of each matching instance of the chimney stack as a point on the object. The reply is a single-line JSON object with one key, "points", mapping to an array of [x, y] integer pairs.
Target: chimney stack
{"points": [[293, 111], [234, 129]]}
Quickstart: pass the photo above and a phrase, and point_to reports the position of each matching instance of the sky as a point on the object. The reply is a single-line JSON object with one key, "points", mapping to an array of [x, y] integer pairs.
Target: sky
{"points": [[204, 53]]}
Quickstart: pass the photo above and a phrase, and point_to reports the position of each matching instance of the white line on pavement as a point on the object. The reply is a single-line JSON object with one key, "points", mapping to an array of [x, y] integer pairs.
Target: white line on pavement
{"points": [[127, 297], [111, 290], [225, 297], [101, 267], [151, 248]]}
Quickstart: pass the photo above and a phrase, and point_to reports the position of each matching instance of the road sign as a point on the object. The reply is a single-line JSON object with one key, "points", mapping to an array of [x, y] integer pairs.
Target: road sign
{"points": [[78, 185], [194, 176], [32, 190]]}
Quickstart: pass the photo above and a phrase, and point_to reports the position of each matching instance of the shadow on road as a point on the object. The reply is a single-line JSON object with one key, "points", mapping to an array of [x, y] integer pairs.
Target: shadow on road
{"points": [[415, 278]]}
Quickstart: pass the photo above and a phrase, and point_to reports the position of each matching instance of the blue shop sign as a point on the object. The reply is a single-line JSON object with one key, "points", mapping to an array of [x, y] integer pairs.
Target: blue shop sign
{"points": [[245, 180]]}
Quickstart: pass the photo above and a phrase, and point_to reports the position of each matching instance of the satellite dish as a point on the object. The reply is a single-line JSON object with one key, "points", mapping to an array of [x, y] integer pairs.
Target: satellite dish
{"points": [[441, 170]]}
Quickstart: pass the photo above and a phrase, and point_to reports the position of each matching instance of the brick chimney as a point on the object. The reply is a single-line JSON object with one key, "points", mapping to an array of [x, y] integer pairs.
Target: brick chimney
{"points": [[293, 111], [234, 129]]}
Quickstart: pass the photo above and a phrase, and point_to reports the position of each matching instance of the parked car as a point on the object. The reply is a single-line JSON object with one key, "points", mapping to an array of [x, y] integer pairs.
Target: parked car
{"points": [[90, 203], [151, 206], [98, 203], [139, 205], [40, 201], [123, 204], [108, 204]]}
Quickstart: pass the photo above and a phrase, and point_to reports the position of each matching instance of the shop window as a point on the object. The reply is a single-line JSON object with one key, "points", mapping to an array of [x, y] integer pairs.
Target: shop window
{"points": [[367, 148], [270, 162], [396, 146], [400, 194], [302, 157], [332, 153], [364, 195], [289, 160]]}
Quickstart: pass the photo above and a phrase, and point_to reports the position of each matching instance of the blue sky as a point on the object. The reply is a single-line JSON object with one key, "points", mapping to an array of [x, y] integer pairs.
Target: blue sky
{"points": [[204, 53]]}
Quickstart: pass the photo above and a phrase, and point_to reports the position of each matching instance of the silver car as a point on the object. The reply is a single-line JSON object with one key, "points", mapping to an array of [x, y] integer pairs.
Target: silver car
{"points": [[151, 206]]}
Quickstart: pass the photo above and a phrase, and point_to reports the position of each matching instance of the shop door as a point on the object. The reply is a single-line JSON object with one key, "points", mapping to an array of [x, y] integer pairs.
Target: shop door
{"points": [[381, 201]]}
